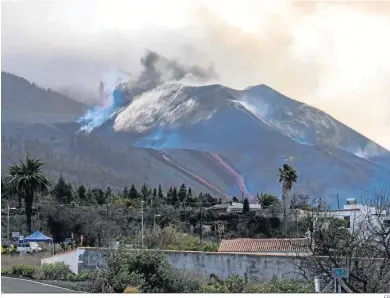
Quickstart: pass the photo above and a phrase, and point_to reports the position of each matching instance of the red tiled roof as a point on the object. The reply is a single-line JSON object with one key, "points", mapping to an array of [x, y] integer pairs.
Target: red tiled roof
{"points": [[264, 245]]}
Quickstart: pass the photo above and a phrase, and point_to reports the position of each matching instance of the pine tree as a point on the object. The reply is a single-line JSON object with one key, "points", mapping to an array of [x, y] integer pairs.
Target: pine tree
{"points": [[62, 191], [108, 194], [169, 196], [125, 192], [133, 193], [174, 196], [245, 208], [182, 193], [81, 193], [160, 192], [99, 196], [89, 198], [145, 193]]}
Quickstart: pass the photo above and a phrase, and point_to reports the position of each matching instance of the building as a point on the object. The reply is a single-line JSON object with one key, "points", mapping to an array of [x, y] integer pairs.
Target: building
{"points": [[291, 246], [233, 207], [238, 207], [358, 216]]}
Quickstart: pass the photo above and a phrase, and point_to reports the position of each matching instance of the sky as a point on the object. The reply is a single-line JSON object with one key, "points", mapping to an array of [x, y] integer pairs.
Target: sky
{"points": [[333, 55]]}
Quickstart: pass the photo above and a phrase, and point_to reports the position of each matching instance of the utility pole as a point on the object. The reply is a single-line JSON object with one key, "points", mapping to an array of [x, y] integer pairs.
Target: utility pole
{"points": [[142, 224], [8, 216], [8, 223], [338, 201], [200, 231]]}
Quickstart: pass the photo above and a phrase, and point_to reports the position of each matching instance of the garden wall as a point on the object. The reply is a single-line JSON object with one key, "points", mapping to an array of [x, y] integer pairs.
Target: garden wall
{"points": [[257, 267]]}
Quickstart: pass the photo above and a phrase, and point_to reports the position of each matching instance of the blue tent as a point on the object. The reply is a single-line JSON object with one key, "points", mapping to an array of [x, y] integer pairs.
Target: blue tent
{"points": [[37, 237]]}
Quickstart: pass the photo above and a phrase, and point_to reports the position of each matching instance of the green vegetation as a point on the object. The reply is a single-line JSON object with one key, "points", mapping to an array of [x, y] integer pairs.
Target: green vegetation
{"points": [[104, 215], [287, 176], [26, 180]]}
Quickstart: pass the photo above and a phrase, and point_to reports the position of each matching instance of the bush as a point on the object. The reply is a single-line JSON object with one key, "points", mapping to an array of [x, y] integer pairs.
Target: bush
{"points": [[21, 270], [233, 284], [210, 246], [56, 271], [280, 286], [149, 271], [236, 284]]}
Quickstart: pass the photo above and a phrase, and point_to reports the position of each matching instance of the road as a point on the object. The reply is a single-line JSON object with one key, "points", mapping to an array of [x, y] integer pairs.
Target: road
{"points": [[16, 285]]}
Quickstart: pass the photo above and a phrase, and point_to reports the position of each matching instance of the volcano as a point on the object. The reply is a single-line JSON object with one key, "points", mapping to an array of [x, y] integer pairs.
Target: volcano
{"points": [[210, 137], [250, 133]]}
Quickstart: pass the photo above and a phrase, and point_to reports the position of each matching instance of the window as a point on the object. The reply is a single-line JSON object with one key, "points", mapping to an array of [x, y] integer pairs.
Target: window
{"points": [[348, 221]]}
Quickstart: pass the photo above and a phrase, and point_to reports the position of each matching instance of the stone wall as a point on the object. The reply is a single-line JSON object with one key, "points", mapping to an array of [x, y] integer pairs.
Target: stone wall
{"points": [[257, 267]]}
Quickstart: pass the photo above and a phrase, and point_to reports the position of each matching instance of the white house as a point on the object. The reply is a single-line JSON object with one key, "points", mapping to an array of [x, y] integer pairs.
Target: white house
{"points": [[238, 207], [357, 215]]}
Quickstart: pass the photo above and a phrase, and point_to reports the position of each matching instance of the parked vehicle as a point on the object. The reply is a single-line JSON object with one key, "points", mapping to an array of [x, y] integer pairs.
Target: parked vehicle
{"points": [[35, 247], [29, 247], [24, 248]]}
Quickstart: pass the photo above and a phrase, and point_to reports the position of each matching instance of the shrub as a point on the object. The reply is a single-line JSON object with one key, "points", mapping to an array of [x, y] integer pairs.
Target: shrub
{"points": [[236, 284], [56, 271], [21, 270], [280, 286], [233, 284], [210, 246], [149, 271], [6, 271]]}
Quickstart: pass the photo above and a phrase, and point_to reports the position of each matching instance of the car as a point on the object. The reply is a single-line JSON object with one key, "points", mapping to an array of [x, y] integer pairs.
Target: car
{"points": [[24, 248], [29, 247], [35, 247]]}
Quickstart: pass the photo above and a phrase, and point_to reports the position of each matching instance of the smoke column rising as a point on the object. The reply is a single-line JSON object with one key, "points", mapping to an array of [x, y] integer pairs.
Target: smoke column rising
{"points": [[118, 89]]}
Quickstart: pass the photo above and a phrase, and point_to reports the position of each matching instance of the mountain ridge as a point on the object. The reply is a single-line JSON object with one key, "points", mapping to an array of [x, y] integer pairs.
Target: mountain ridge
{"points": [[224, 144]]}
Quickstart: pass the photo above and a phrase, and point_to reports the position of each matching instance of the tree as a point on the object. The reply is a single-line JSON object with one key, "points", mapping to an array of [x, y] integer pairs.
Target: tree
{"points": [[364, 248], [125, 192], [300, 201], [27, 179], [108, 194], [182, 193], [160, 192], [235, 200], [174, 196], [245, 208], [133, 193], [169, 196], [99, 196], [287, 177], [145, 193], [267, 200], [81, 191], [62, 191]]}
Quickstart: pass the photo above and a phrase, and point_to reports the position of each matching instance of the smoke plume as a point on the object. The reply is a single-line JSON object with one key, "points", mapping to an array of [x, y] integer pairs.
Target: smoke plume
{"points": [[118, 88]]}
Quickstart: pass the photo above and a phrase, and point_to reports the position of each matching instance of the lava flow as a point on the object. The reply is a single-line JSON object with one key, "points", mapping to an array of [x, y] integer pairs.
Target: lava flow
{"points": [[229, 169], [202, 180]]}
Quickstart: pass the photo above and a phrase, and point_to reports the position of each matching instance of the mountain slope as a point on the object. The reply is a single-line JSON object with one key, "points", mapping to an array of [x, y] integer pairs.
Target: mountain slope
{"points": [[257, 130], [22, 101], [212, 138]]}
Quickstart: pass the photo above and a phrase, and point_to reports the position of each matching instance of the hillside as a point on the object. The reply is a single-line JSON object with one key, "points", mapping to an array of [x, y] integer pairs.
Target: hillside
{"points": [[25, 102], [212, 138]]}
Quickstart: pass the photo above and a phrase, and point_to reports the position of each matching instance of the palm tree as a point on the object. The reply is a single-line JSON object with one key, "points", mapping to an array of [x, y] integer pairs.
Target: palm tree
{"points": [[288, 177], [26, 180]]}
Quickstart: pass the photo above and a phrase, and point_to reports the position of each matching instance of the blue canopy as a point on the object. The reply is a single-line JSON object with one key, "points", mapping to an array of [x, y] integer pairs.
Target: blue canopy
{"points": [[38, 237]]}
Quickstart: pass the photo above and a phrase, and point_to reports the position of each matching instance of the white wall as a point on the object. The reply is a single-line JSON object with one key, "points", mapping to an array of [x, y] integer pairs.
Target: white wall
{"points": [[70, 258]]}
